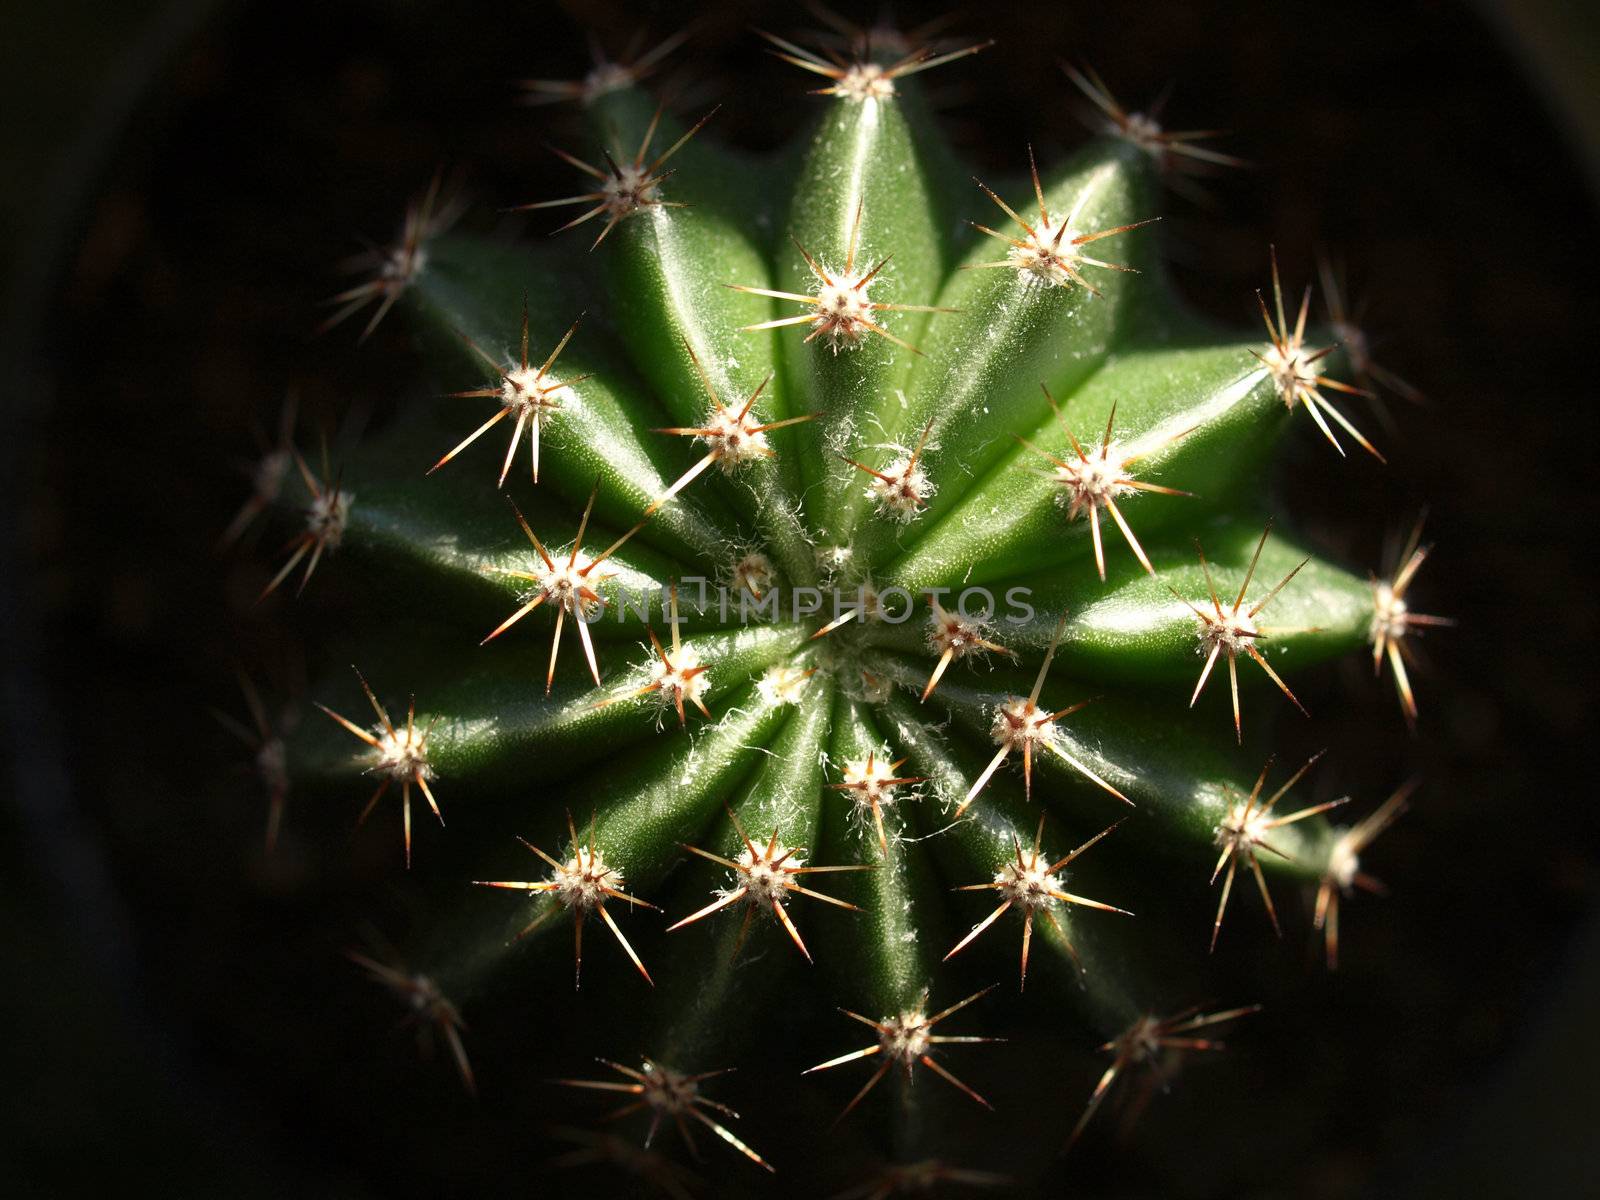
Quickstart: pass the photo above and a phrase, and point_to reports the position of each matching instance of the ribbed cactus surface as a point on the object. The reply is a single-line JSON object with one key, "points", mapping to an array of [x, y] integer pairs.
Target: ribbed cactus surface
{"points": [[808, 578]]}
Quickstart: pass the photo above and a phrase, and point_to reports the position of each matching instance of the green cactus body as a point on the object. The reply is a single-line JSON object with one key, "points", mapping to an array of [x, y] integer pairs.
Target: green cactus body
{"points": [[872, 399]]}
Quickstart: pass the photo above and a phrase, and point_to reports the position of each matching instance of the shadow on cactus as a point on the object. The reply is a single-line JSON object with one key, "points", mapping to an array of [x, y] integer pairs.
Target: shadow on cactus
{"points": [[812, 582]]}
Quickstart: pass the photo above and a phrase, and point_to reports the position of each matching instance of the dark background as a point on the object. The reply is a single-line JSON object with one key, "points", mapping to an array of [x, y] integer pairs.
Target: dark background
{"points": [[180, 180]]}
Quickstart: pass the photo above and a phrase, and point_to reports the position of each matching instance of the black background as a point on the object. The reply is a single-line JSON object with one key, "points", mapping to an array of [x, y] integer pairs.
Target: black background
{"points": [[183, 183]]}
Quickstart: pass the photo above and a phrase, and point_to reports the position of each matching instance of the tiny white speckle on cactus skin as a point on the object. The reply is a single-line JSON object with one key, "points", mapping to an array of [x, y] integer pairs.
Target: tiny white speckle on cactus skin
{"points": [[1049, 253], [865, 603], [907, 1039]]}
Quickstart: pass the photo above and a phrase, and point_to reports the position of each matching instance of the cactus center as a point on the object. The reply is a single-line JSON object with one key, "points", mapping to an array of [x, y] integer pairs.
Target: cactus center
{"points": [[679, 677], [900, 489], [783, 684], [753, 573], [1020, 723], [868, 603], [833, 558], [875, 689]]}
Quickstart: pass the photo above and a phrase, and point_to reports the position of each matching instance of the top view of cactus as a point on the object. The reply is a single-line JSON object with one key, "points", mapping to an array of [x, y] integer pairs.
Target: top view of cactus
{"points": [[841, 664], [855, 513]]}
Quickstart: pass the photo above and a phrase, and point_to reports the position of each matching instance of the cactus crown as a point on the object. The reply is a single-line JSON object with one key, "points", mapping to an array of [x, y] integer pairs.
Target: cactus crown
{"points": [[885, 535]]}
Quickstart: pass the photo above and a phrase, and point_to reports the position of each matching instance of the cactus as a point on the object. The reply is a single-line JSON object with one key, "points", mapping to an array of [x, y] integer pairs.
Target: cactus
{"points": [[906, 527]]}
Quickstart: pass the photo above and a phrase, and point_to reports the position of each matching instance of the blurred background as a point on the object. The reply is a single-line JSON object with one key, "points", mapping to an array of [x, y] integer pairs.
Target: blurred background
{"points": [[181, 179]]}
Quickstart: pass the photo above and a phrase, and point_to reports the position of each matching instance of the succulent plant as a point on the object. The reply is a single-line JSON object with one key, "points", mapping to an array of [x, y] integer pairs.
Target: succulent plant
{"points": [[868, 493]]}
